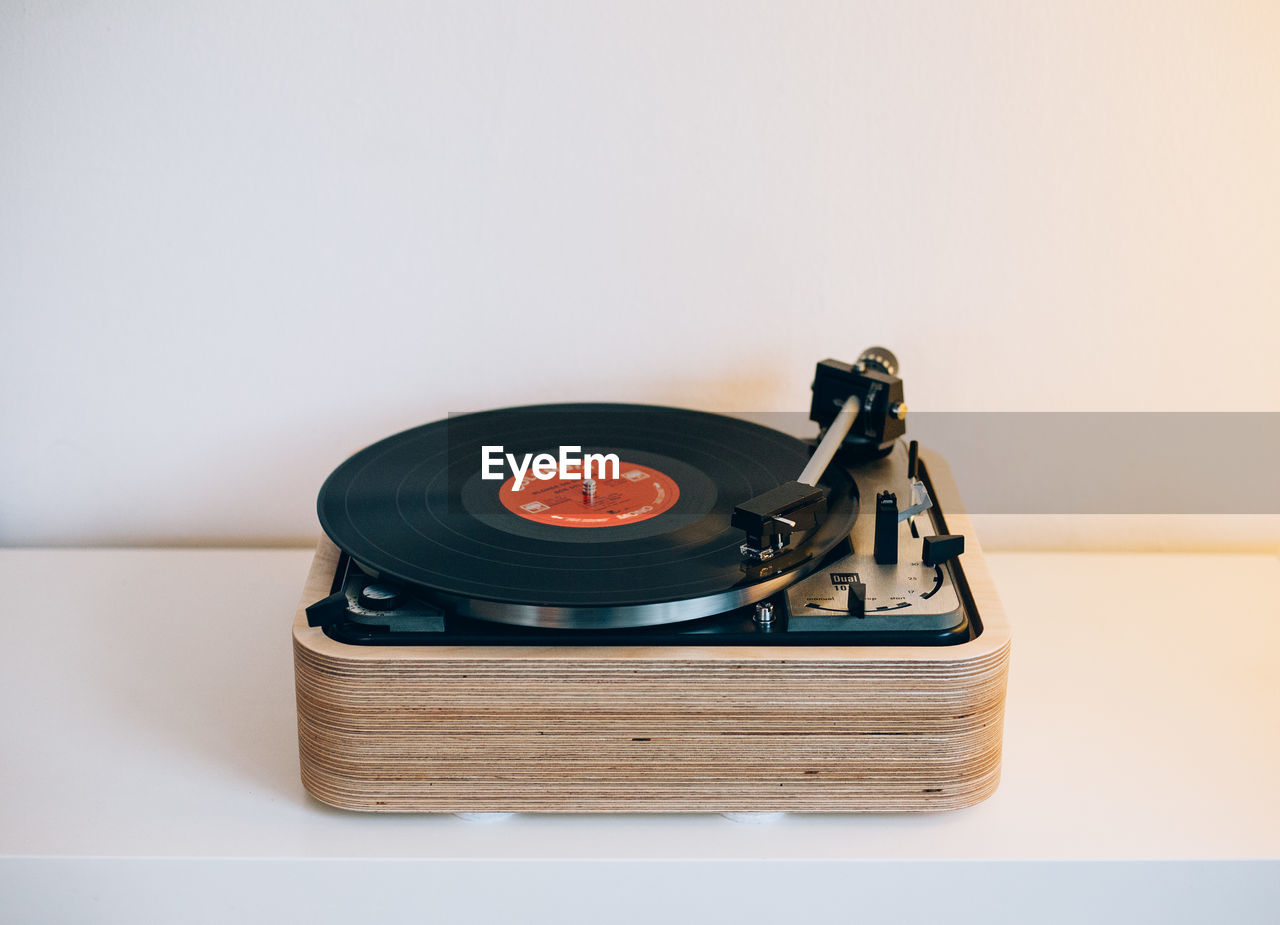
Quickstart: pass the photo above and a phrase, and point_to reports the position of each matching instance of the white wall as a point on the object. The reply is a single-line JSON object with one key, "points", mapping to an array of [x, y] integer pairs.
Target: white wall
{"points": [[239, 241]]}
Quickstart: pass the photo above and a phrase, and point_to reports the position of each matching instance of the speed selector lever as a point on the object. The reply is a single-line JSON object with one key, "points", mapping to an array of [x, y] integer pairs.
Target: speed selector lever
{"points": [[942, 548]]}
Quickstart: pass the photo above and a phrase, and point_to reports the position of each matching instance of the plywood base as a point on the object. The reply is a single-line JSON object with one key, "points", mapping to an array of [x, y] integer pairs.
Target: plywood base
{"points": [[660, 729]]}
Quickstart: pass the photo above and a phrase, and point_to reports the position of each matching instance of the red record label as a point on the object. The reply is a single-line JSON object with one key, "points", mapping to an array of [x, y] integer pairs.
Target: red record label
{"points": [[640, 493]]}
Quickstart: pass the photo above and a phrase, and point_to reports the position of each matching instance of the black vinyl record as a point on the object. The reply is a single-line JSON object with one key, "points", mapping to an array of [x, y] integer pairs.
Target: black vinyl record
{"points": [[653, 545]]}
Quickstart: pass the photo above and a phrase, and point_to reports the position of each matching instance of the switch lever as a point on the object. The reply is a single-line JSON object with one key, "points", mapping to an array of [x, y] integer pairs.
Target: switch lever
{"points": [[942, 548], [857, 599]]}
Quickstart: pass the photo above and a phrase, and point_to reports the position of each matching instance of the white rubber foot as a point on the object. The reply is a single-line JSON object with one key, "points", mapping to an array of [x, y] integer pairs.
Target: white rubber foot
{"points": [[484, 817], [753, 818]]}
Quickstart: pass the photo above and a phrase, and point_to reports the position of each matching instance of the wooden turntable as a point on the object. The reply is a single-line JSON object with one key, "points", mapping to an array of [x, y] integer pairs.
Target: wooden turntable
{"points": [[659, 728]]}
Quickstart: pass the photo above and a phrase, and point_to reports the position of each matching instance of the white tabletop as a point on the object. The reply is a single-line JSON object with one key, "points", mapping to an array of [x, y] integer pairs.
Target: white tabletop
{"points": [[149, 752]]}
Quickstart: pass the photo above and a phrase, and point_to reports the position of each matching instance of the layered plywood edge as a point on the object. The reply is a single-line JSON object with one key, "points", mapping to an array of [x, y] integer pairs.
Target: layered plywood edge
{"points": [[656, 729]]}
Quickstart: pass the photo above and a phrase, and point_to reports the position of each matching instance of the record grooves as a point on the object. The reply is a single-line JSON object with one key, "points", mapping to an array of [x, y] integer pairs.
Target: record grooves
{"points": [[413, 508]]}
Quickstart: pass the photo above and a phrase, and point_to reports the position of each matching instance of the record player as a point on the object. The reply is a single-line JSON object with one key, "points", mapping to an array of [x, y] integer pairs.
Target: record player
{"points": [[719, 617]]}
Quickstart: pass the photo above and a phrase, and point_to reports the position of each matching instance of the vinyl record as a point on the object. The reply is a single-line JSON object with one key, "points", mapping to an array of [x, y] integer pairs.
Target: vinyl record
{"points": [[653, 545]]}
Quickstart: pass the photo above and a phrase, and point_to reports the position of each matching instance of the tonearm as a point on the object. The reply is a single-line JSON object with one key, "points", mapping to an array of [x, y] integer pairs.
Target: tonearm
{"points": [[861, 411]]}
